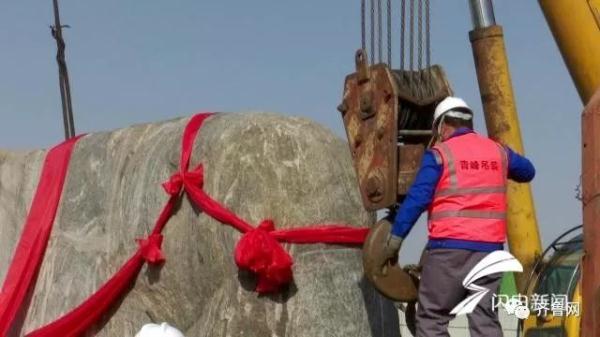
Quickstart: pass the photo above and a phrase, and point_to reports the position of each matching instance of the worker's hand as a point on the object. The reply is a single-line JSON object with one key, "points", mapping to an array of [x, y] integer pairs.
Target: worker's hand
{"points": [[413, 270], [390, 251]]}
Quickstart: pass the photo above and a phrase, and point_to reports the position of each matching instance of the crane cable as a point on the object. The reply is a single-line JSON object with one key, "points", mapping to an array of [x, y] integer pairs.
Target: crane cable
{"points": [[411, 35], [418, 50], [379, 32], [389, 33], [428, 33], [402, 32], [363, 35], [420, 35], [372, 31]]}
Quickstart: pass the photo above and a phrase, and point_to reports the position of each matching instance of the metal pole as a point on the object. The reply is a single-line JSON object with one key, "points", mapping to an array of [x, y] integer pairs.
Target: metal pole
{"points": [[415, 133], [502, 122], [63, 75], [575, 26], [482, 13], [590, 126]]}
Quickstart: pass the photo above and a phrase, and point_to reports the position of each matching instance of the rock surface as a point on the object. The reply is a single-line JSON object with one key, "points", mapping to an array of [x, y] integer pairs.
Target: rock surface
{"points": [[258, 165]]}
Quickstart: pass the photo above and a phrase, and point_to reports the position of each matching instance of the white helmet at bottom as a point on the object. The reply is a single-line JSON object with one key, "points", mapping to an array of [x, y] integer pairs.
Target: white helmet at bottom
{"points": [[452, 107], [162, 330]]}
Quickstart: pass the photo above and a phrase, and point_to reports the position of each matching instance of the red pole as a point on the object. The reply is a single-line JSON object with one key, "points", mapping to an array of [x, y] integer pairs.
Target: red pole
{"points": [[590, 132]]}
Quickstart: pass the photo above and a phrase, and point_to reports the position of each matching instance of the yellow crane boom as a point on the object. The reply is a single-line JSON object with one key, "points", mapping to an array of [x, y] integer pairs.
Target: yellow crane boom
{"points": [[575, 25]]}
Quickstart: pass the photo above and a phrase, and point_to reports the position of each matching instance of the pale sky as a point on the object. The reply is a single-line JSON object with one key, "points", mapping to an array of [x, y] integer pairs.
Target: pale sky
{"points": [[143, 61]]}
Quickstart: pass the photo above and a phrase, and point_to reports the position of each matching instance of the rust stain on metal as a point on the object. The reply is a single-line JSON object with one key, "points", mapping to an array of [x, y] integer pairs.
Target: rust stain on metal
{"points": [[590, 127], [491, 66], [397, 284], [374, 99], [362, 66], [370, 119], [502, 122], [387, 116]]}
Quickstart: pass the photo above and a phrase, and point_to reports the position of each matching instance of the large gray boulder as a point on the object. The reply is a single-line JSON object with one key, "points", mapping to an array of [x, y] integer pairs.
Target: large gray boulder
{"points": [[258, 165]]}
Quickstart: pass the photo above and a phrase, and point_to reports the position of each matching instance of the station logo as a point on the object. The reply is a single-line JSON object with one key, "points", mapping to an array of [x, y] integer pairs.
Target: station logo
{"points": [[520, 306], [496, 262]]}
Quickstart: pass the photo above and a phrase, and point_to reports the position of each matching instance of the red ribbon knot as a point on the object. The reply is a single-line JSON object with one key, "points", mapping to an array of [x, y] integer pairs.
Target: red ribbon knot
{"points": [[179, 180], [259, 252], [150, 248]]}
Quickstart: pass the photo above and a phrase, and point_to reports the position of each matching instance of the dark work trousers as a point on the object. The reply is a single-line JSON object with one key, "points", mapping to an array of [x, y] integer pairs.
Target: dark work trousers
{"points": [[441, 289]]}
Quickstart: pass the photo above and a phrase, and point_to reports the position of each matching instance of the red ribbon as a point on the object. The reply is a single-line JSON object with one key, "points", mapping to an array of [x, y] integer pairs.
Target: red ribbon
{"points": [[29, 253], [259, 250], [150, 249], [177, 181]]}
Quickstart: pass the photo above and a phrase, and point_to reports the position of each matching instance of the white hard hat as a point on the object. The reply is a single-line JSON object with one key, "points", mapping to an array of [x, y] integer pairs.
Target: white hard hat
{"points": [[162, 330], [452, 107]]}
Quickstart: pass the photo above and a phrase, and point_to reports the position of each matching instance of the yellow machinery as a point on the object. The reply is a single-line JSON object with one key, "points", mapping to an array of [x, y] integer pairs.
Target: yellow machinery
{"points": [[575, 25], [557, 272], [502, 123], [386, 152]]}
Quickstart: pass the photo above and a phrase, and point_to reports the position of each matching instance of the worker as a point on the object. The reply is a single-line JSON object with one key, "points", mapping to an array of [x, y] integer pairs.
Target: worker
{"points": [[156, 330], [462, 184]]}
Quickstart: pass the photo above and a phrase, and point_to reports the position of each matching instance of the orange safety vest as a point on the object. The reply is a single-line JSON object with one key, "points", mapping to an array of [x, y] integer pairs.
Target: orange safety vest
{"points": [[470, 198]]}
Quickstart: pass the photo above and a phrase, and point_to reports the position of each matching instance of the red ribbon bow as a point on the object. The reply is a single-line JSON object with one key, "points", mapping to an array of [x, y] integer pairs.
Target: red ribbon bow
{"points": [[150, 248], [180, 179], [259, 252]]}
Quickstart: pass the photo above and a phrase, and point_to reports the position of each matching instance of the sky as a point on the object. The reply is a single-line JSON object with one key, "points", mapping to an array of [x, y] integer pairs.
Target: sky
{"points": [[135, 62]]}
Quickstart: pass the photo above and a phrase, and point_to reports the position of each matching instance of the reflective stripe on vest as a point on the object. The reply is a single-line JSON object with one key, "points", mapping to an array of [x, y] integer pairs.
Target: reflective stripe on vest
{"points": [[468, 214], [471, 190], [470, 204]]}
